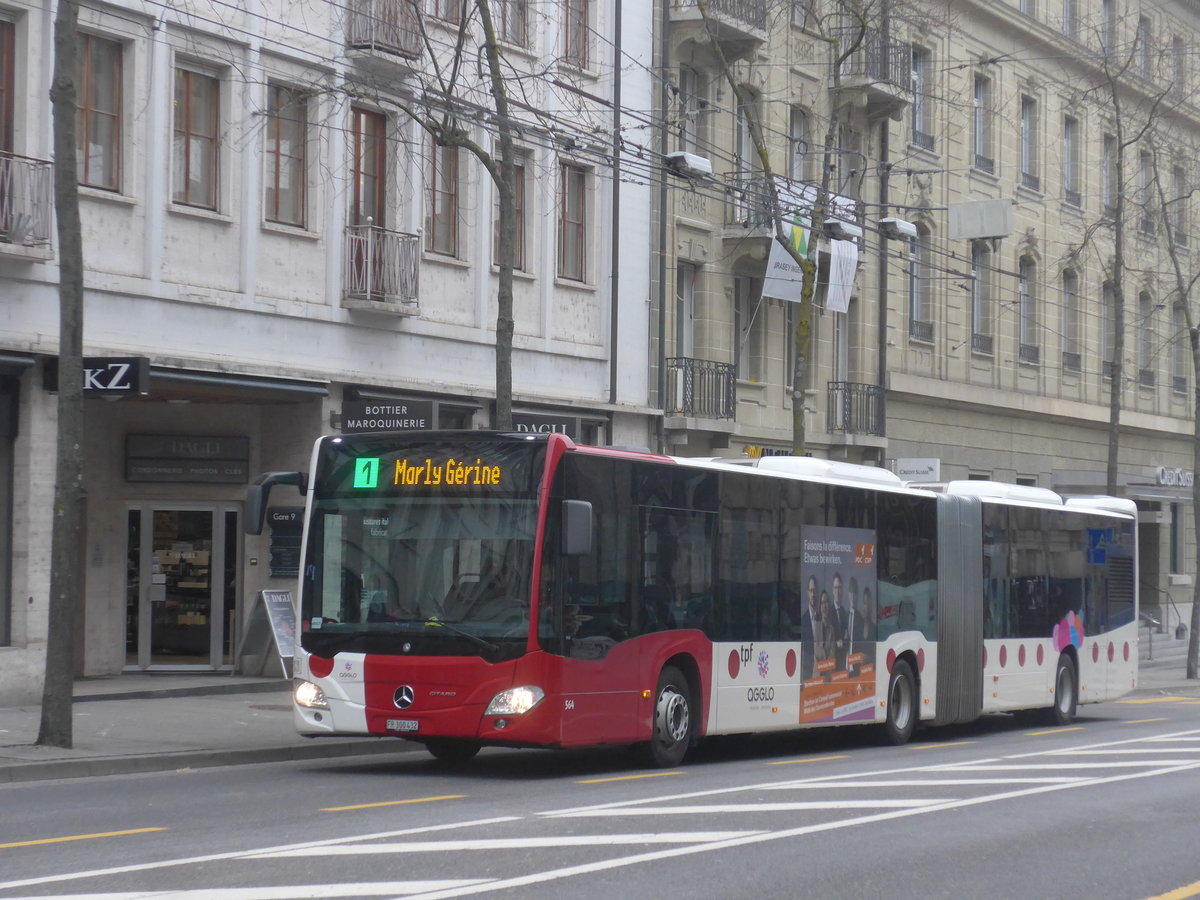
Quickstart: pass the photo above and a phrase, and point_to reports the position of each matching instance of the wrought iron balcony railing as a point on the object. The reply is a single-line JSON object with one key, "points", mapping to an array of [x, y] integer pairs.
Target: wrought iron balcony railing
{"points": [[920, 331], [748, 202], [855, 408], [389, 26], [380, 264], [981, 343], [878, 59], [1030, 353], [748, 12], [26, 200], [701, 388]]}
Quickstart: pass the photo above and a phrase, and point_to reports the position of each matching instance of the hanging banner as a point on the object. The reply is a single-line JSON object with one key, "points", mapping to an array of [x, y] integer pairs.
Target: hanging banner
{"points": [[784, 278], [843, 264]]}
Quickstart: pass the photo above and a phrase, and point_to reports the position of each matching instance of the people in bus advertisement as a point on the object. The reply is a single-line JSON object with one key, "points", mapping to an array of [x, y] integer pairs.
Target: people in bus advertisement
{"points": [[838, 568]]}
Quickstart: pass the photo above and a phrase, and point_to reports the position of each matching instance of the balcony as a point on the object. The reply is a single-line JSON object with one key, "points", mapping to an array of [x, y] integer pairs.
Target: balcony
{"points": [[748, 202], [380, 270], [384, 28], [700, 388], [1030, 354], [740, 25], [26, 206], [981, 343], [855, 409], [1072, 362], [879, 72], [921, 331]]}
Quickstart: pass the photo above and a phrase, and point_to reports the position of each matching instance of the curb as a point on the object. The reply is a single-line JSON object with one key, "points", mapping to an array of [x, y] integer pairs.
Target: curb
{"points": [[52, 770], [208, 690]]}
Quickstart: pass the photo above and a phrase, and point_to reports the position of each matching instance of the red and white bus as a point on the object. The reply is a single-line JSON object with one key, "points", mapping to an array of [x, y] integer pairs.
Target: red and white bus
{"points": [[473, 589]]}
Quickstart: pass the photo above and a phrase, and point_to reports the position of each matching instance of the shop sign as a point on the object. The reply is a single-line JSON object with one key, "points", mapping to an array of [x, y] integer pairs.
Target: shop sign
{"points": [[754, 451], [184, 458], [108, 376], [1168, 477], [528, 423], [923, 469], [360, 416]]}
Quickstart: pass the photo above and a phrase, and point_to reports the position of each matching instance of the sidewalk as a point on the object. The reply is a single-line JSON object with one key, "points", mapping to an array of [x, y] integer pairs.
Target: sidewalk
{"points": [[152, 722]]}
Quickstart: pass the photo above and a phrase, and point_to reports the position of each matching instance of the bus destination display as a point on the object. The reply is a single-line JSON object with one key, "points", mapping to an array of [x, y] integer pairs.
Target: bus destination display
{"points": [[427, 473]]}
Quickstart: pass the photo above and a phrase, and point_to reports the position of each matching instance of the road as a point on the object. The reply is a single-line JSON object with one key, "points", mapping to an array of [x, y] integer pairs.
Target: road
{"points": [[1107, 808]]}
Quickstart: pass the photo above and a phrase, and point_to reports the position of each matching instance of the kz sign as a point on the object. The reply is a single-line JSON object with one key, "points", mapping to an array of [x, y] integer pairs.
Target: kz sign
{"points": [[108, 376]]}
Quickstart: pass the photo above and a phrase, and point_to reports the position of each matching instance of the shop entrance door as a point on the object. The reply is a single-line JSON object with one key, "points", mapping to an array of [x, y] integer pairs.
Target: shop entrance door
{"points": [[181, 592]]}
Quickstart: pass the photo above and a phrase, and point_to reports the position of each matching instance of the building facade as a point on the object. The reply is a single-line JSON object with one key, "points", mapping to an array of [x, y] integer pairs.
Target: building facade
{"points": [[274, 249], [1003, 161]]}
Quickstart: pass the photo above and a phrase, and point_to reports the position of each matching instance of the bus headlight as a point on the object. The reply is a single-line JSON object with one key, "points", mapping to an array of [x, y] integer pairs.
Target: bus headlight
{"points": [[515, 701], [309, 695]]}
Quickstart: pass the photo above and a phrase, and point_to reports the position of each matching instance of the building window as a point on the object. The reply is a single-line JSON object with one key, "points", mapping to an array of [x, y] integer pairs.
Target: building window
{"points": [[982, 124], [922, 118], [748, 329], [98, 113], [441, 218], [1145, 331], [572, 224], [1071, 358], [1070, 18], [1108, 326], [1179, 206], [1071, 162], [286, 157], [1180, 349], [1142, 49], [446, 10], [575, 33], [513, 24], [981, 312], [517, 226], [368, 163], [803, 13], [920, 303], [798, 144], [1108, 176], [1146, 192], [1027, 313], [1029, 144], [686, 276], [1178, 66], [7, 85], [1109, 25], [693, 103], [195, 154], [1027, 7]]}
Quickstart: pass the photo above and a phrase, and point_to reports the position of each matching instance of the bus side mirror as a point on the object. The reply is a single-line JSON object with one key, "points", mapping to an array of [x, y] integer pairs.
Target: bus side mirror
{"points": [[576, 527], [259, 493]]}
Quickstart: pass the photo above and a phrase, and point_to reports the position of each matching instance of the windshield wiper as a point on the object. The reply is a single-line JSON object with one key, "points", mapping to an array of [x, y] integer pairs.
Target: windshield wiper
{"points": [[474, 638]]}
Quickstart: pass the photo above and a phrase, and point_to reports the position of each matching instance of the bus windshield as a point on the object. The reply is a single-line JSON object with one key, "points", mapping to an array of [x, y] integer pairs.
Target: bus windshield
{"points": [[421, 548]]}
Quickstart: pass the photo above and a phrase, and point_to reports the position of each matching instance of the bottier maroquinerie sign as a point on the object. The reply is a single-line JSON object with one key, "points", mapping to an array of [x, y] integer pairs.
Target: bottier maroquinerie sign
{"points": [[361, 416]]}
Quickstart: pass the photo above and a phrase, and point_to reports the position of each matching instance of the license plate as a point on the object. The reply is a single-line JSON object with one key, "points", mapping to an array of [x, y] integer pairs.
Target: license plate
{"points": [[401, 724]]}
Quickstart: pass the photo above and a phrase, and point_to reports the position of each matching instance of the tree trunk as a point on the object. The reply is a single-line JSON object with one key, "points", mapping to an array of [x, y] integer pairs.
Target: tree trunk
{"points": [[65, 549]]}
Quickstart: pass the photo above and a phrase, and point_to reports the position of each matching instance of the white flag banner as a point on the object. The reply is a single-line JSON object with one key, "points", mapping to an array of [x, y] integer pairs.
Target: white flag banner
{"points": [[843, 264], [784, 279]]}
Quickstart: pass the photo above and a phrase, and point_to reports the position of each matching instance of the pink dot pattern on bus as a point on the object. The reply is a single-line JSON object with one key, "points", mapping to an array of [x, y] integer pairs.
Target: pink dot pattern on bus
{"points": [[735, 664], [790, 663]]}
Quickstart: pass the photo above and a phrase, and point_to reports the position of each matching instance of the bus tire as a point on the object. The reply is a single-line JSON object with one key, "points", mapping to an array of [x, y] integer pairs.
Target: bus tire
{"points": [[674, 722], [452, 750], [1066, 692], [901, 718]]}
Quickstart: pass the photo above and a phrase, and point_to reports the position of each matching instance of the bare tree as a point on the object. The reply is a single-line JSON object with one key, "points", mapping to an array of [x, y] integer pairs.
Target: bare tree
{"points": [[65, 582]]}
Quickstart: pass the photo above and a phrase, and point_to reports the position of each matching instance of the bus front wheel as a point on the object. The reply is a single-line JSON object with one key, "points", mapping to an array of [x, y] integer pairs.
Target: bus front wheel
{"points": [[1066, 692], [672, 728], [901, 704]]}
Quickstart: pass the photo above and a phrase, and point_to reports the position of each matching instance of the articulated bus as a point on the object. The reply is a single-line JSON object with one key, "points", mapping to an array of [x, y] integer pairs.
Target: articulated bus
{"points": [[472, 589]]}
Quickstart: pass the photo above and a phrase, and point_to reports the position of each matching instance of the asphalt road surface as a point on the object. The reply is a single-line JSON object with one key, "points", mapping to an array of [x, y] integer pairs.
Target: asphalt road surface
{"points": [[1107, 808]]}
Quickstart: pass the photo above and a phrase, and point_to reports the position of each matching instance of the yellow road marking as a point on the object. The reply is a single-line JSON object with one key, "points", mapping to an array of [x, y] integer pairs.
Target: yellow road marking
{"points": [[628, 777], [1145, 721], [79, 837], [936, 746], [1182, 893], [393, 803], [796, 762], [1155, 700], [1054, 731]]}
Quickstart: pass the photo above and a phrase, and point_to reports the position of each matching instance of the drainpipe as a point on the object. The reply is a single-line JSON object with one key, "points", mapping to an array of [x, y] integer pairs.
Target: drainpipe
{"points": [[663, 136], [615, 263]]}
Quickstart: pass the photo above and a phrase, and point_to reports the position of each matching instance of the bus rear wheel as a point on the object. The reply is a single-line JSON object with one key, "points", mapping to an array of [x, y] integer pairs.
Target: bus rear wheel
{"points": [[451, 750], [671, 733], [1066, 692], [901, 704]]}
